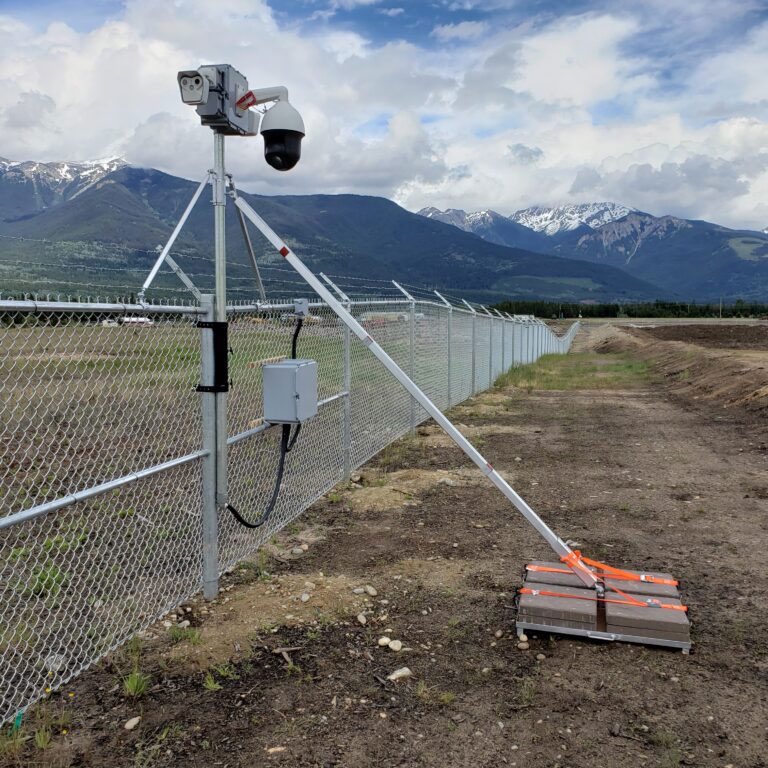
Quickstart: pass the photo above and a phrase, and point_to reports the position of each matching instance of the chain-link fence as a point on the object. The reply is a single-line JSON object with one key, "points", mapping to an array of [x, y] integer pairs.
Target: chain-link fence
{"points": [[103, 451]]}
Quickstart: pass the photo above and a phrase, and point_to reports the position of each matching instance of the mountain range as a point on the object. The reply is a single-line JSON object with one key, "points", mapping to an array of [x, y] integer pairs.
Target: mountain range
{"points": [[692, 259], [89, 228]]}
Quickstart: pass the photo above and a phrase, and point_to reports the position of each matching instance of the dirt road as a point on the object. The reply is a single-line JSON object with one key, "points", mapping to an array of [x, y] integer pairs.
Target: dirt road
{"points": [[281, 671]]}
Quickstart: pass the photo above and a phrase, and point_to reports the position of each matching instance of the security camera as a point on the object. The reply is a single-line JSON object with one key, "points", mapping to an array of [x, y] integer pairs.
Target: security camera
{"points": [[283, 130], [224, 103], [194, 86], [215, 90]]}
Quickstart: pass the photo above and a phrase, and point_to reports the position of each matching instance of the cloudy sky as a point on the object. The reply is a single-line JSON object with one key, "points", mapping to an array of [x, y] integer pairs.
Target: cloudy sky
{"points": [[658, 104]]}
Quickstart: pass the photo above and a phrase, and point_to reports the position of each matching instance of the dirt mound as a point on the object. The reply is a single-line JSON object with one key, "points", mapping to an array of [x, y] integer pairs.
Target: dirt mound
{"points": [[604, 339], [696, 371], [734, 336]]}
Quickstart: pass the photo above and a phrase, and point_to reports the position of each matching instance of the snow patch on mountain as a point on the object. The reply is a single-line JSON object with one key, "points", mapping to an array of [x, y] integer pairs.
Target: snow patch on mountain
{"points": [[564, 218], [60, 178], [469, 222], [34, 187]]}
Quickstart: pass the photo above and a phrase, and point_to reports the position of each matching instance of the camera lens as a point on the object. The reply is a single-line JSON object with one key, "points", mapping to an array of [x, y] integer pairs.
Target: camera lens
{"points": [[282, 148]]}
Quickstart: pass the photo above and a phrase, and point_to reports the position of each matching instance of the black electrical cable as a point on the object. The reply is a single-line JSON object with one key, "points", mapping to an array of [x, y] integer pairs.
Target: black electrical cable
{"points": [[275, 491], [286, 446], [295, 338]]}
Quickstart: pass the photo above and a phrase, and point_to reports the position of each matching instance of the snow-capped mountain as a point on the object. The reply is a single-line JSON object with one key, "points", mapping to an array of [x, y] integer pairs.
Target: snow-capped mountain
{"points": [[32, 187], [564, 218], [695, 258], [454, 216], [491, 226]]}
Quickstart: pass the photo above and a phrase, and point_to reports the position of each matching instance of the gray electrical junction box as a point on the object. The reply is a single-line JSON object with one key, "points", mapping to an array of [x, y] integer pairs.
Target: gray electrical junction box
{"points": [[290, 391]]}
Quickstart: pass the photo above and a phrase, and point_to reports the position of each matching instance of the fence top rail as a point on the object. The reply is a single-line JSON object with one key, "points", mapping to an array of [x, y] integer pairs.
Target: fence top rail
{"points": [[13, 305], [31, 306]]}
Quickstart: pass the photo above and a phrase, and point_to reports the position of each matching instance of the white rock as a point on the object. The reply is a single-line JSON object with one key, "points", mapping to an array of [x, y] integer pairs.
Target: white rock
{"points": [[498, 634], [304, 547], [370, 590], [167, 624], [297, 551], [395, 645], [400, 674], [523, 638], [384, 641], [304, 597], [184, 624], [132, 723], [540, 657], [358, 590], [517, 458], [361, 618], [446, 481], [523, 646]]}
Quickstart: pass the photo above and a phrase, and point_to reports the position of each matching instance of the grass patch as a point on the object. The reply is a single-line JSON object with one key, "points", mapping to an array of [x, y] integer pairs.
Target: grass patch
{"points": [[180, 634], [586, 370], [136, 684], [431, 695], [43, 737], [210, 683]]}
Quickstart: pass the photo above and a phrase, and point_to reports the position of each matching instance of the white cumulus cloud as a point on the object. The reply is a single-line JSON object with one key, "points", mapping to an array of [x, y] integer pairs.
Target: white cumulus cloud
{"points": [[555, 109]]}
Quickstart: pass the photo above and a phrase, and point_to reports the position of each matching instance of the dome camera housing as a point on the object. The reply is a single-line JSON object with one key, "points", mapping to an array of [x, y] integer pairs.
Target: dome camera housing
{"points": [[283, 130]]}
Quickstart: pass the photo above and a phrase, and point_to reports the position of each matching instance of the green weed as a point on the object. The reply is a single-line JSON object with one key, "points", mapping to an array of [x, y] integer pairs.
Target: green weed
{"points": [[43, 737], [180, 634], [47, 581], [136, 684]]}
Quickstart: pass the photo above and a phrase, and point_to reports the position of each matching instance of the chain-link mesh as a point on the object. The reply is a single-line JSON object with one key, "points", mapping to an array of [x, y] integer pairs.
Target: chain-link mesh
{"points": [[101, 495]]}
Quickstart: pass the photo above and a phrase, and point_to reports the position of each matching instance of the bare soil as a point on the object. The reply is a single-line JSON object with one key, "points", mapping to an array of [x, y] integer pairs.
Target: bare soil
{"points": [[651, 476], [714, 335]]}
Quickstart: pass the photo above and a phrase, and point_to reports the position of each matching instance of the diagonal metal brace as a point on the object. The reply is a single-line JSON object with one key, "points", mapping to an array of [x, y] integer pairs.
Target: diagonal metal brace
{"points": [[248, 243], [558, 545]]}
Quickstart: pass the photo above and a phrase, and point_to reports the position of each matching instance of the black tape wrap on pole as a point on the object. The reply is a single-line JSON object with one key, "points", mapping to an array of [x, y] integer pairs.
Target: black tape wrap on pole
{"points": [[220, 329]]}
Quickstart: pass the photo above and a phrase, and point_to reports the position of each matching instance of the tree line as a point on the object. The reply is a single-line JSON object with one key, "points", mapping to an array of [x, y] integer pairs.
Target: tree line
{"points": [[556, 309]]}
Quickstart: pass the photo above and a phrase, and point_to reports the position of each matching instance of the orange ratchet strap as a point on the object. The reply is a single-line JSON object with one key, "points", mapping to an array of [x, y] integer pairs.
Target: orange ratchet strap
{"points": [[649, 603], [575, 558]]}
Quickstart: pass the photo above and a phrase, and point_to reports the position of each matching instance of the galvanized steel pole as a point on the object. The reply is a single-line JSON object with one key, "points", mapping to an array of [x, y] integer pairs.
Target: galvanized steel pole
{"points": [[412, 349], [210, 522], [450, 336], [346, 424], [474, 343]]}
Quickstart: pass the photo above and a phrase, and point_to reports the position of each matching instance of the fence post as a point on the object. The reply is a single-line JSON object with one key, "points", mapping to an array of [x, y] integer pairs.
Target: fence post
{"points": [[503, 341], [474, 342], [347, 408], [490, 346], [503, 345], [210, 522], [450, 336], [412, 349], [346, 424]]}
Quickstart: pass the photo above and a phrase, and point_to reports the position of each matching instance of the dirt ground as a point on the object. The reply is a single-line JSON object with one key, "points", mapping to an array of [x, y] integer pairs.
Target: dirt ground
{"points": [[709, 335], [282, 671]]}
